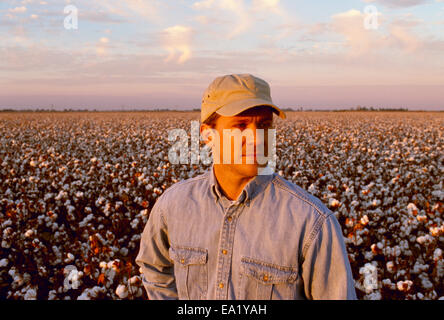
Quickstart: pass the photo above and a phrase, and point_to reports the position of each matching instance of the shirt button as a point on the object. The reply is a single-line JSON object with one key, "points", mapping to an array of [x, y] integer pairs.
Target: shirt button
{"points": [[224, 251], [229, 219], [221, 285]]}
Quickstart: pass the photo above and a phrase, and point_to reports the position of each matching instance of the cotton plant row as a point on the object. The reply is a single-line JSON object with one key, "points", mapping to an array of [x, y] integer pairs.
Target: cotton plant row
{"points": [[77, 189]]}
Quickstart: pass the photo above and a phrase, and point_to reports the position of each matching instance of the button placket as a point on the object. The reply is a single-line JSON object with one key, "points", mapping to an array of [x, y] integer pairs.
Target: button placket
{"points": [[225, 249]]}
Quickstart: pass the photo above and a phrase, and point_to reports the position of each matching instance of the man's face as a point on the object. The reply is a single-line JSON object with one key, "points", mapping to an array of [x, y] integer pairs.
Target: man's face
{"points": [[254, 118]]}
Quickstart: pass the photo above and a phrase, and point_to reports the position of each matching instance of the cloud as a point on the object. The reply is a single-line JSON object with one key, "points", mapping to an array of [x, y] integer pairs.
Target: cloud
{"points": [[397, 34], [100, 17], [176, 41], [102, 46], [245, 14], [287, 23], [237, 8], [404, 38], [267, 5], [399, 3], [150, 9], [232, 9], [18, 10], [407, 20], [205, 4], [358, 40], [202, 19]]}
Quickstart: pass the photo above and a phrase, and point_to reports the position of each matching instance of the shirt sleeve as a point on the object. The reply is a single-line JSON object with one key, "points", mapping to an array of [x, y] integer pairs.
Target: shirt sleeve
{"points": [[153, 258], [326, 269]]}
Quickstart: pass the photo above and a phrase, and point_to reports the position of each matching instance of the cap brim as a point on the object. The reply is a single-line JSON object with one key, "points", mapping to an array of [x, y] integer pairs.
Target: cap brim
{"points": [[237, 107]]}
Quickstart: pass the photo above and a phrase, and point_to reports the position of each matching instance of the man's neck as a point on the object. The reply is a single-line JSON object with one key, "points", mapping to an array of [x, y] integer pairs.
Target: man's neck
{"points": [[229, 181]]}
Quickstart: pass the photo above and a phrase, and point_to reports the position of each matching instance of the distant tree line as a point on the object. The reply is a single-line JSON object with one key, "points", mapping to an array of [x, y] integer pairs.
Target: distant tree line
{"points": [[359, 108], [298, 109]]}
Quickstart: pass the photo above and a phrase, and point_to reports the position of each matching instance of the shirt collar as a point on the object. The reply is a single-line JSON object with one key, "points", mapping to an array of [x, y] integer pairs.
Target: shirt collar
{"points": [[251, 190]]}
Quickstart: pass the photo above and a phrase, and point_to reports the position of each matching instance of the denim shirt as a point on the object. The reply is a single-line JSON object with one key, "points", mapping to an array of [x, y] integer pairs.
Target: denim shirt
{"points": [[276, 241]]}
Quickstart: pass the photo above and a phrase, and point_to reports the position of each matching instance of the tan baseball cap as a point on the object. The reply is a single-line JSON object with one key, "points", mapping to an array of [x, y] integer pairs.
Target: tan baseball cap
{"points": [[231, 94]]}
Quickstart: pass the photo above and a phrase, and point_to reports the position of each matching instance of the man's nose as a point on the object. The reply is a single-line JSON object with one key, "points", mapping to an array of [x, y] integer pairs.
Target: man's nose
{"points": [[257, 139]]}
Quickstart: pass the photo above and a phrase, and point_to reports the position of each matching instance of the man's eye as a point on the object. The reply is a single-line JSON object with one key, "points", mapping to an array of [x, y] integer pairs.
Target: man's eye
{"points": [[240, 126], [265, 126]]}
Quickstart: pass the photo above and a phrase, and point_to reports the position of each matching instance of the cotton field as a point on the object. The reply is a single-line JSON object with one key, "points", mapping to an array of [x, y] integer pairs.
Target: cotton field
{"points": [[76, 190]]}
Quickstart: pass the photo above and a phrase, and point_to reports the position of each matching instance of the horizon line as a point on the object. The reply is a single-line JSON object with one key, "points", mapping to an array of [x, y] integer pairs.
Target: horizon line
{"points": [[299, 109]]}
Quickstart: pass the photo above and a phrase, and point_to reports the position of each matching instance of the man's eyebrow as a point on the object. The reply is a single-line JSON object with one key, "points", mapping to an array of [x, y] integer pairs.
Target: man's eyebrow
{"points": [[237, 120]]}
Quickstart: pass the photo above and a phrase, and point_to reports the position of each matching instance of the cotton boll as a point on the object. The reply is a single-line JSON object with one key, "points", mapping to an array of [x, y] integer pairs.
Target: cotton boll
{"points": [[438, 194], [368, 255], [29, 233], [370, 277], [122, 291], [134, 223], [124, 252], [333, 203], [364, 220], [424, 239], [418, 268], [412, 209], [390, 266], [437, 254], [404, 285], [3, 262], [134, 280], [69, 258], [84, 295], [373, 296], [312, 189], [425, 281], [435, 231], [52, 295]]}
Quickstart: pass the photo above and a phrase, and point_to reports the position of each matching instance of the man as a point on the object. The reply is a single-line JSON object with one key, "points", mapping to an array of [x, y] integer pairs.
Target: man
{"points": [[232, 233]]}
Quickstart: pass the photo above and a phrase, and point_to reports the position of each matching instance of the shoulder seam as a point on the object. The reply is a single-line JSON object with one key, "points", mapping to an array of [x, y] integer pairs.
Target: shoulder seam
{"points": [[302, 197], [203, 176]]}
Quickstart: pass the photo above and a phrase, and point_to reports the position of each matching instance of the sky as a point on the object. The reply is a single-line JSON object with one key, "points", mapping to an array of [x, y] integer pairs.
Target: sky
{"points": [[125, 54]]}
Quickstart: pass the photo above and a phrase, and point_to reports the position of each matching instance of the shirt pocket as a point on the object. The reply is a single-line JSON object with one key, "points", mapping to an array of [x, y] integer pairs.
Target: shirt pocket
{"points": [[190, 271], [260, 280]]}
